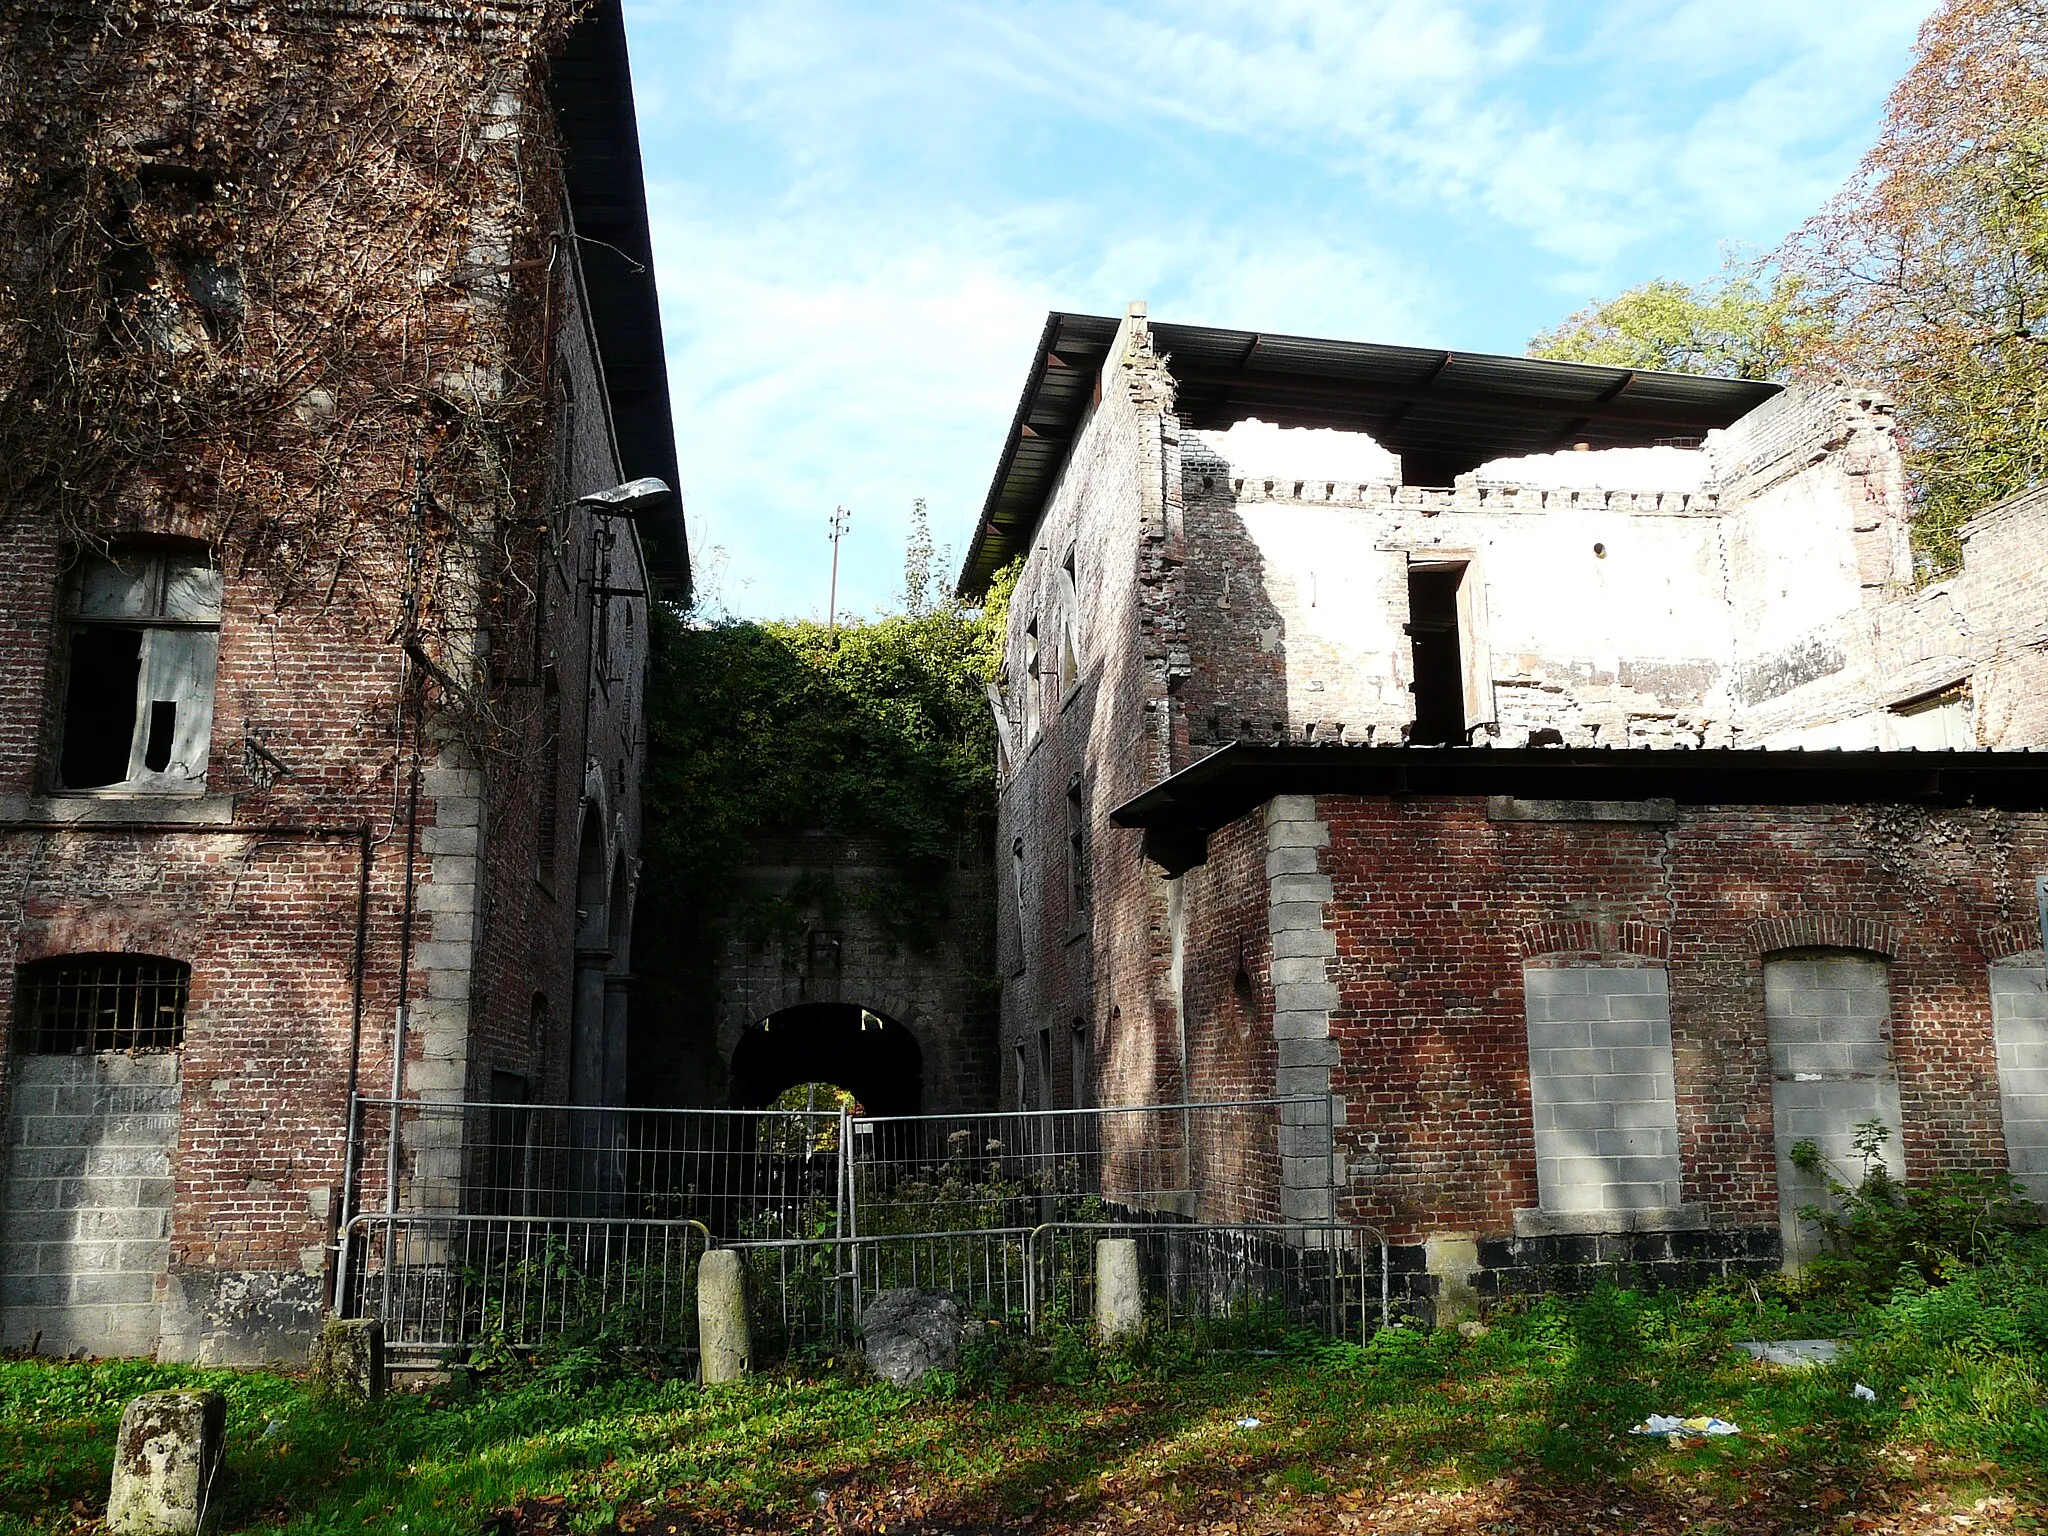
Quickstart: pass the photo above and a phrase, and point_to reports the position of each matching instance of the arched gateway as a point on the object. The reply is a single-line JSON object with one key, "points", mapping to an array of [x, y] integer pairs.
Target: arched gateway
{"points": [[871, 1056]]}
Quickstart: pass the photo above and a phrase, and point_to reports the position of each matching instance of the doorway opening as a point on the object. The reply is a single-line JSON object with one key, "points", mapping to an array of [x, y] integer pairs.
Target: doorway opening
{"points": [[1439, 662]]}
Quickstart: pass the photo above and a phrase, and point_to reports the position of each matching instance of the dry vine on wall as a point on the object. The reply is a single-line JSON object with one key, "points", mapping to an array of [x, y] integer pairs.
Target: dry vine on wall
{"points": [[275, 276]]}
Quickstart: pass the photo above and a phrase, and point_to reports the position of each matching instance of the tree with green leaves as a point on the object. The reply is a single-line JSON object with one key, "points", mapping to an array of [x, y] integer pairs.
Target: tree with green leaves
{"points": [[1744, 324], [1932, 263], [1927, 276]]}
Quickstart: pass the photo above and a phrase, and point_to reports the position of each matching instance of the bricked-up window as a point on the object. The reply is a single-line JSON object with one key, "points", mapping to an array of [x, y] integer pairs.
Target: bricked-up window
{"points": [[1070, 621], [1603, 1088], [1079, 895], [144, 633], [1034, 685], [79, 1005], [1439, 665]]}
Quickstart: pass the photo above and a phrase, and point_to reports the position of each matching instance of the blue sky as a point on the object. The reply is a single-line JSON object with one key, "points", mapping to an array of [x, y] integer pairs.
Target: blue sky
{"points": [[863, 210]]}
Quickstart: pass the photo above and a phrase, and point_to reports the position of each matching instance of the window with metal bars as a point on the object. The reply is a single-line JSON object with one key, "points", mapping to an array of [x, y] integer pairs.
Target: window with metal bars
{"points": [[81, 1004]]}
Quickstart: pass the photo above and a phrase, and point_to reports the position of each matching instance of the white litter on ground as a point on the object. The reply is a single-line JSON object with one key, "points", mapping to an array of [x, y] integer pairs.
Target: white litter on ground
{"points": [[1793, 1354], [1672, 1427], [1863, 1394], [1249, 1423]]}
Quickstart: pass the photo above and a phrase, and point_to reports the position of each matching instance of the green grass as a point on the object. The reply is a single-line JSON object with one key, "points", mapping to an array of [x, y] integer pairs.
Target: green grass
{"points": [[1539, 1406]]}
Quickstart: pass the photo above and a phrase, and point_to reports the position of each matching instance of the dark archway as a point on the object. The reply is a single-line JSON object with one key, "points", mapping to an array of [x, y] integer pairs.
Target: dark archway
{"points": [[881, 1065]]}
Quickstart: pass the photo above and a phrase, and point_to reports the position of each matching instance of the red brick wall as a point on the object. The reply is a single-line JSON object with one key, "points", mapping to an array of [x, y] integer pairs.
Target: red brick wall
{"points": [[1435, 910]]}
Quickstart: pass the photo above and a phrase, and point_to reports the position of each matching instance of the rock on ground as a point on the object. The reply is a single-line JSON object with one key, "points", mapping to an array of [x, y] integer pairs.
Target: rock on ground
{"points": [[905, 1333]]}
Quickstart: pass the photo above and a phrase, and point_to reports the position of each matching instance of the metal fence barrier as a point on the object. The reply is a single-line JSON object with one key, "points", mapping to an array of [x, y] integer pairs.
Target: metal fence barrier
{"points": [[471, 1225]]}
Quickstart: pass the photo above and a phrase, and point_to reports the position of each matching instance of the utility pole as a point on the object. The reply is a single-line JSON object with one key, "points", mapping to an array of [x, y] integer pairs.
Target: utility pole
{"points": [[840, 518]]}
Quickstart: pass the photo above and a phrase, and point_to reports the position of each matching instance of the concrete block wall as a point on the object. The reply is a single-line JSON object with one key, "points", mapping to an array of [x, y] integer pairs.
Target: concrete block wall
{"points": [[85, 1203], [2019, 1021], [1602, 1088], [1829, 1019]]}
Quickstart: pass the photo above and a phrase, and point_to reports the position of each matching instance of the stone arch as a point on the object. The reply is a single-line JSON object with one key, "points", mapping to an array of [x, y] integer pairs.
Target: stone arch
{"points": [[1594, 936], [875, 1058]]}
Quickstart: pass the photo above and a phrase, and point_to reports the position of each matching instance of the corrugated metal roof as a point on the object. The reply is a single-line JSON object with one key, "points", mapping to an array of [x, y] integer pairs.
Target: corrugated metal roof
{"points": [[592, 88], [1443, 412]]}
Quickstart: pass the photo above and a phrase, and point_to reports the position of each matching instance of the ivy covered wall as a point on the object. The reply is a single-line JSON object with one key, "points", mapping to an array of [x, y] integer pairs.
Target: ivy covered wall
{"points": [[802, 782]]}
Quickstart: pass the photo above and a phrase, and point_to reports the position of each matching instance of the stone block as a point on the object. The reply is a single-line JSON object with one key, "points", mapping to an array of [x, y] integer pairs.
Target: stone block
{"points": [[1294, 914], [347, 1360], [724, 1350], [1293, 1080], [1293, 888], [1295, 969], [1301, 1026], [1119, 1290], [167, 1457], [1310, 940], [1309, 1053], [1293, 861], [1305, 996]]}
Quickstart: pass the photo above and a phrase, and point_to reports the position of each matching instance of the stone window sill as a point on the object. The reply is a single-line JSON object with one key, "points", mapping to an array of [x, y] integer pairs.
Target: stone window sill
{"points": [[1670, 1218], [117, 810]]}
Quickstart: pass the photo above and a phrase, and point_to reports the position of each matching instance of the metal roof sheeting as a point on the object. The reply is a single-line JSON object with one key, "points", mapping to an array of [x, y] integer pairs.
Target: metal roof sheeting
{"points": [[1444, 412]]}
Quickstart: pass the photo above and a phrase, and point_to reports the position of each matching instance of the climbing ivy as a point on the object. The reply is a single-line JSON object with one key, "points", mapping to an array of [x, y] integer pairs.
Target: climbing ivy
{"points": [[881, 730]]}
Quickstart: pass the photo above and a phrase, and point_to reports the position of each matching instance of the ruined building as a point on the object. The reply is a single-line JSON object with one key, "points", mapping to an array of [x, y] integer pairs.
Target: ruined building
{"points": [[1559, 767], [328, 330]]}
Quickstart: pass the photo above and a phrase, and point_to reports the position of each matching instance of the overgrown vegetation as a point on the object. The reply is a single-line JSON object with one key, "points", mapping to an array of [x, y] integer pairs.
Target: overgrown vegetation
{"points": [[1883, 1234], [1927, 275], [1527, 1424], [880, 729]]}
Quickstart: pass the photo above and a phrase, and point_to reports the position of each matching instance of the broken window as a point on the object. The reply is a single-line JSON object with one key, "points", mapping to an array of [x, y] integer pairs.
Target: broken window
{"points": [[144, 633], [1070, 648], [1078, 893], [79, 1005], [1439, 685], [1033, 684]]}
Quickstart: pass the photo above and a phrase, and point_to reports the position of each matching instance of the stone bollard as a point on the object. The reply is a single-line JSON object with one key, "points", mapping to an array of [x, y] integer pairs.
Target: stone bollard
{"points": [[1119, 1294], [722, 1345], [348, 1360], [166, 1458]]}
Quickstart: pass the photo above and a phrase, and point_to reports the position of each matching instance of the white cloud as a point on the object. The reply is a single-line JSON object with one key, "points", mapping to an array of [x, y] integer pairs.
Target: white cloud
{"points": [[864, 210]]}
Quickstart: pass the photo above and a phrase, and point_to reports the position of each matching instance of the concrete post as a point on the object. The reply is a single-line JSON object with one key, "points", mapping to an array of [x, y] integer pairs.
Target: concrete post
{"points": [[1119, 1294], [165, 1461], [722, 1346], [348, 1360]]}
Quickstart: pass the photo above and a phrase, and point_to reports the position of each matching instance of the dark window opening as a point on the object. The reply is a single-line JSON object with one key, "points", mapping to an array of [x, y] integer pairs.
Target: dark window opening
{"points": [[1439, 665], [1083, 1066], [1045, 1095], [80, 1005], [1023, 1082], [99, 706], [163, 727], [1079, 895], [509, 1149]]}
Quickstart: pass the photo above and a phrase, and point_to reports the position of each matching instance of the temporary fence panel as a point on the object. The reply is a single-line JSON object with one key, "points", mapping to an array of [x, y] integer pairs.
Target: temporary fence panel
{"points": [[1244, 1161], [473, 1222], [463, 1283]]}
